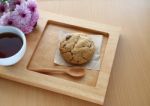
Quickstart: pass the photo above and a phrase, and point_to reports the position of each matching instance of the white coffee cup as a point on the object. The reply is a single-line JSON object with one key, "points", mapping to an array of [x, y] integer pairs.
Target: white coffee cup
{"points": [[16, 57]]}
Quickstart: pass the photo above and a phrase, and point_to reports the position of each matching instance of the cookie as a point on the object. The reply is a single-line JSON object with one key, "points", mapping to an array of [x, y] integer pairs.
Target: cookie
{"points": [[77, 48]]}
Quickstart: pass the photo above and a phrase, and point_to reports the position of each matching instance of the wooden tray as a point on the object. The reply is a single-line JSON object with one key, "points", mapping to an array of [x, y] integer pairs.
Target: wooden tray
{"points": [[40, 54]]}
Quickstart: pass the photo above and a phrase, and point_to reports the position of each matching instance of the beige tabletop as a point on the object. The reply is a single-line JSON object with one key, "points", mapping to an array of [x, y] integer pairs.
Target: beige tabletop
{"points": [[130, 78]]}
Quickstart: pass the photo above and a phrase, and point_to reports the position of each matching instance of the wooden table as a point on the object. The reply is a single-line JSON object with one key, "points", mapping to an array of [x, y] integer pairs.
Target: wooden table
{"points": [[130, 78]]}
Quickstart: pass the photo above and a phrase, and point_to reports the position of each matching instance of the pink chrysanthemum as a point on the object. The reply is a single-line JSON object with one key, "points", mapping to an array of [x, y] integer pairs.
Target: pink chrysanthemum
{"points": [[8, 19], [34, 18], [26, 28], [13, 3], [33, 8], [23, 14], [3, 8], [32, 5]]}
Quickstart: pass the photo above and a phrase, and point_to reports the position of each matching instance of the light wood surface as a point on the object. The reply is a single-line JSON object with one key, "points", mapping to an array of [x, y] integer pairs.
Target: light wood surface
{"points": [[41, 52], [130, 78]]}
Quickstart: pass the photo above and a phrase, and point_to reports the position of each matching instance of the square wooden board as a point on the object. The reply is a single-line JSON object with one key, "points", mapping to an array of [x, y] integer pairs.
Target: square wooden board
{"points": [[92, 87]]}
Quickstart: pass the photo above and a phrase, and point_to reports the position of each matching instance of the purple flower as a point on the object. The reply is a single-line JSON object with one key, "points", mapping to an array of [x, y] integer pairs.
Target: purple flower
{"points": [[13, 3], [33, 8], [32, 5], [34, 18], [3, 8], [8, 19], [23, 14], [26, 28]]}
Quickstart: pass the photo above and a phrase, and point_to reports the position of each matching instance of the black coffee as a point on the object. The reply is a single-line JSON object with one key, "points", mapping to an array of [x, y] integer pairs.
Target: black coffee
{"points": [[10, 44]]}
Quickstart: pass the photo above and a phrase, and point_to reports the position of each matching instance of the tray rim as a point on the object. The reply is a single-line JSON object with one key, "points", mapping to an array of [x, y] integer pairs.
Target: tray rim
{"points": [[93, 94]]}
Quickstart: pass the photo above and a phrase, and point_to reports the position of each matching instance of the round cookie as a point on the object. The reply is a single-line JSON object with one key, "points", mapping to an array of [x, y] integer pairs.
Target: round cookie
{"points": [[77, 48]]}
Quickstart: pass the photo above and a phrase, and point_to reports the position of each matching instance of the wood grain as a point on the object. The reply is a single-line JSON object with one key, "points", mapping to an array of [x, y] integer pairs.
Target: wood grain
{"points": [[50, 37], [129, 82], [42, 51]]}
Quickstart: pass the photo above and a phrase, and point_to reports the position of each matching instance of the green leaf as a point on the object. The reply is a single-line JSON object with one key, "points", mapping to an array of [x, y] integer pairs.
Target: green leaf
{"points": [[4, 1]]}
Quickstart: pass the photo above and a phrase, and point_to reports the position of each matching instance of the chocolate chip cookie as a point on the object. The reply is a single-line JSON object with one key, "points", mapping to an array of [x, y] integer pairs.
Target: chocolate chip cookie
{"points": [[77, 48]]}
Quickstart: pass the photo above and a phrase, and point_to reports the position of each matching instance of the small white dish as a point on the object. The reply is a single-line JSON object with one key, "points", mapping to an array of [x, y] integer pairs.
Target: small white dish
{"points": [[18, 56]]}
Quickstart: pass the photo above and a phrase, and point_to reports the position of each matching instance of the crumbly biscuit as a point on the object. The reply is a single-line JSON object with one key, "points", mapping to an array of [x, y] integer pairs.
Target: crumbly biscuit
{"points": [[77, 48]]}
